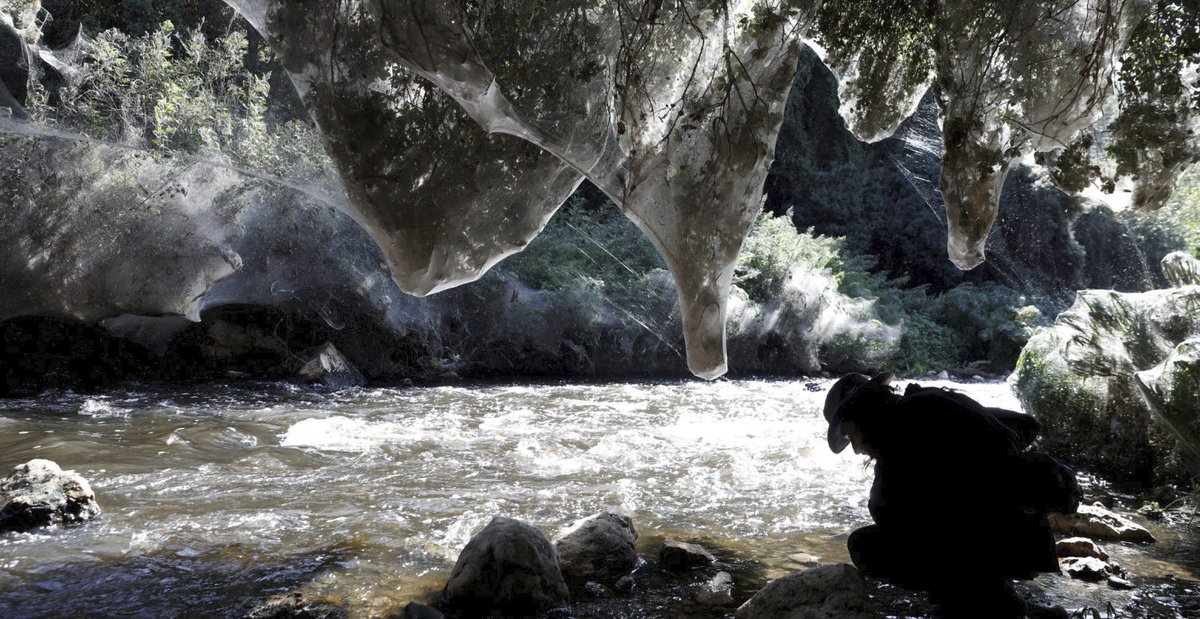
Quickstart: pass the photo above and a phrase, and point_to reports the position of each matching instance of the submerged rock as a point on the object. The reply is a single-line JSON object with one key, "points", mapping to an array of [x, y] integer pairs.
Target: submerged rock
{"points": [[1097, 522], [1116, 582], [676, 555], [294, 606], [600, 548], [508, 568], [805, 559], [39, 493], [828, 591], [718, 591]]}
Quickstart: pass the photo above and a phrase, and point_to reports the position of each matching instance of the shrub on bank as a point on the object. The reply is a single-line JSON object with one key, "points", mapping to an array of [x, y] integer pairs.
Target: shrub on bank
{"points": [[801, 303]]}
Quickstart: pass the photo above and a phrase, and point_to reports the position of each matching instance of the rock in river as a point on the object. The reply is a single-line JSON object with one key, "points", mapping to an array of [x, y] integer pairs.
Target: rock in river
{"points": [[1080, 547], [1097, 522], [1113, 382], [718, 591], [39, 493], [1090, 569], [325, 364], [681, 555], [600, 548], [509, 568], [828, 591]]}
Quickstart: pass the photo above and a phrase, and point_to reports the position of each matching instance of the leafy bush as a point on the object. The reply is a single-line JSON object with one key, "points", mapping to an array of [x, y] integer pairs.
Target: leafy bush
{"points": [[992, 322], [590, 259], [926, 346], [180, 93], [138, 16], [772, 250], [1176, 226], [587, 242], [25, 16]]}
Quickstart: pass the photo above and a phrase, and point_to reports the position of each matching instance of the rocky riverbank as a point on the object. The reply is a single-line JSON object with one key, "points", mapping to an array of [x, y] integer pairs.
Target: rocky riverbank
{"points": [[595, 567], [511, 569]]}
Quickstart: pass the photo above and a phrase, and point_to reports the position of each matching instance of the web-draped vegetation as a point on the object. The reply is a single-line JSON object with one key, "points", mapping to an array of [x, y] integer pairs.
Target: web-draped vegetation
{"points": [[670, 109]]}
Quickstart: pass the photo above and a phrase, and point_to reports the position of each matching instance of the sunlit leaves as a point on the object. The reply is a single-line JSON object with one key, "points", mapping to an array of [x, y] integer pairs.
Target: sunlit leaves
{"points": [[1155, 136], [180, 92]]}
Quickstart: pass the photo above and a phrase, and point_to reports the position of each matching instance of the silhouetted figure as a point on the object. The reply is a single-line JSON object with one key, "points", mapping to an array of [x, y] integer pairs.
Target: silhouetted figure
{"points": [[959, 499]]}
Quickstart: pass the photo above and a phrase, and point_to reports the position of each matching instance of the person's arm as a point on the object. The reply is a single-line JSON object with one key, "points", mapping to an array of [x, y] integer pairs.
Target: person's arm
{"points": [[904, 496], [1024, 427], [877, 504]]}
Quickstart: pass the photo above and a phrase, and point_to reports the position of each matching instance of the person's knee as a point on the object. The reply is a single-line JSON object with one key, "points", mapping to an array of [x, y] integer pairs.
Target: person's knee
{"points": [[868, 550]]}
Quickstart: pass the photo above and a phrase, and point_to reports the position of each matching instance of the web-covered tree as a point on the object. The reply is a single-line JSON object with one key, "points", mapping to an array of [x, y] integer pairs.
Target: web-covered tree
{"points": [[671, 107]]}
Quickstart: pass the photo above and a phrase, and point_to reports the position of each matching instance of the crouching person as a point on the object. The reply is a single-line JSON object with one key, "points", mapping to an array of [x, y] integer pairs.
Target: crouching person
{"points": [[959, 499]]}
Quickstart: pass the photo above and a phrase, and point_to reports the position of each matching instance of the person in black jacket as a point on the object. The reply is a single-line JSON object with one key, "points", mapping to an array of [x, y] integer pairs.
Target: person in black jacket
{"points": [[959, 500]]}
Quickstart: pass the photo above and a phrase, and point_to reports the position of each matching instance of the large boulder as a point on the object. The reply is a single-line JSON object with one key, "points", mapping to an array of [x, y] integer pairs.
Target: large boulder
{"points": [[1100, 382], [1171, 389], [39, 493], [820, 592], [601, 548], [508, 568]]}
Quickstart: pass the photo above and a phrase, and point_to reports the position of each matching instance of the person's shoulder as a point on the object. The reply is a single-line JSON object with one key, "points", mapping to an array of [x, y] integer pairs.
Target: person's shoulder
{"points": [[939, 398]]}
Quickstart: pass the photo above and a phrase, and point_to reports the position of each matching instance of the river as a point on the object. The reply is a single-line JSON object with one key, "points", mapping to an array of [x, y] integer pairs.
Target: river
{"points": [[218, 496]]}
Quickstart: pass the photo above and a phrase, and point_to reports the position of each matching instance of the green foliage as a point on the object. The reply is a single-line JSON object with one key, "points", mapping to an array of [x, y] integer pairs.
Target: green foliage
{"points": [[967, 323], [600, 274], [138, 17], [992, 322], [1049, 391], [926, 346], [772, 250], [1072, 168], [180, 92], [590, 243], [889, 42], [1176, 226], [1153, 135]]}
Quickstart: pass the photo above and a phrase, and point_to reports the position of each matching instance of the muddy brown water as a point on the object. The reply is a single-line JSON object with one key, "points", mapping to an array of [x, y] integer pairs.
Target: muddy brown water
{"points": [[220, 496]]}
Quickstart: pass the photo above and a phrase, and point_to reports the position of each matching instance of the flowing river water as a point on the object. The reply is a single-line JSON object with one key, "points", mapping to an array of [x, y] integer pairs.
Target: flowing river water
{"points": [[216, 497]]}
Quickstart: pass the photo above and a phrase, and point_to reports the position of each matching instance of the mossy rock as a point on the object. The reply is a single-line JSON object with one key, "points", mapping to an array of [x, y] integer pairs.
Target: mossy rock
{"points": [[1080, 378]]}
